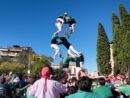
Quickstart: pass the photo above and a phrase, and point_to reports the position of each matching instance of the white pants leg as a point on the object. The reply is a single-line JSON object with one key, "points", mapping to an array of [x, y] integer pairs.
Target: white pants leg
{"points": [[81, 64], [56, 49], [73, 50], [78, 72], [69, 52], [59, 27], [78, 69]]}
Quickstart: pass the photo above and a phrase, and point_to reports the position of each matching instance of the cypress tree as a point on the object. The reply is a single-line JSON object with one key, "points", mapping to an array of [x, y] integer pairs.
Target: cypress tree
{"points": [[117, 43], [103, 51], [125, 18]]}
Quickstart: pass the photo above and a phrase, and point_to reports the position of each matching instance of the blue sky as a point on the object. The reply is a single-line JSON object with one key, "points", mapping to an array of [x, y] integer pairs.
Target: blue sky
{"points": [[33, 21]]}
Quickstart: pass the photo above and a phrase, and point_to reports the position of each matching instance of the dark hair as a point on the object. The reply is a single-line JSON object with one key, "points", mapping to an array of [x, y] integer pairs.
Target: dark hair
{"points": [[17, 85], [73, 79], [84, 83], [62, 77], [2, 80], [128, 81], [31, 80], [51, 69], [101, 81], [20, 77], [72, 90]]}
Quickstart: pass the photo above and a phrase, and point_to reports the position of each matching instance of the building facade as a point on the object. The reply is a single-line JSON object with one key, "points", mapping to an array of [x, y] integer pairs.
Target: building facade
{"points": [[13, 52]]}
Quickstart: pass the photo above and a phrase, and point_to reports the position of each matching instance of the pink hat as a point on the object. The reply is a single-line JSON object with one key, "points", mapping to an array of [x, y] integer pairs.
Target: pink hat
{"points": [[45, 73]]}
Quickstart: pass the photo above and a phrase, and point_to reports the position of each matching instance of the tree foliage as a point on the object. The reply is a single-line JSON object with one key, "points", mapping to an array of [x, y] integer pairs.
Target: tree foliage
{"points": [[25, 62], [125, 20], [38, 62], [103, 51], [12, 67], [120, 43], [117, 43]]}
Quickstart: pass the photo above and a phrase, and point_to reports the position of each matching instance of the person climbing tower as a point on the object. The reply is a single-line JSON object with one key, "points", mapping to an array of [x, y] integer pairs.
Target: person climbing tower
{"points": [[67, 60], [71, 21], [80, 60], [54, 46], [60, 21], [69, 46], [75, 58]]}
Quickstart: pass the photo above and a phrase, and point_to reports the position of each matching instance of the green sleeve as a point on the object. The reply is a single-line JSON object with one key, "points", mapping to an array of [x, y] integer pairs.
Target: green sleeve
{"points": [[121, 89], [20, 90]]}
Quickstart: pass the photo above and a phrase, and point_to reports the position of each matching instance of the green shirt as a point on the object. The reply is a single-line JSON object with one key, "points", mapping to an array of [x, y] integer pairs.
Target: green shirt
{"points": [[104, 91], [27, 93], [80, 58], [20, 91], [53, 36], [53, 39], [83, 94], [125, 89], [67, 59]]}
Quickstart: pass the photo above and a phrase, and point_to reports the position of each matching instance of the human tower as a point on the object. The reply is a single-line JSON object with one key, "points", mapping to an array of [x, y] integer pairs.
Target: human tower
{"points": [[72, 55]]}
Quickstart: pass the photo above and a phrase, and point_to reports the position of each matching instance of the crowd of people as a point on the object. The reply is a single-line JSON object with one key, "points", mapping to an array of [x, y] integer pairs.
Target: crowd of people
{"points": [[63, 86]]}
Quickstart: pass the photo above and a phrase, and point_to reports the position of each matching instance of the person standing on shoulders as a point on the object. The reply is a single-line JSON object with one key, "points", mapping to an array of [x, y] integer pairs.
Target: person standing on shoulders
{"points": [[60, 21], [69, 46], [55, 46]]}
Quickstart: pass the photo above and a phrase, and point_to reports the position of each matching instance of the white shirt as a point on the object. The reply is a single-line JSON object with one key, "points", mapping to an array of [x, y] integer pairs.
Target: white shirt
{"points": [[54, 89]]}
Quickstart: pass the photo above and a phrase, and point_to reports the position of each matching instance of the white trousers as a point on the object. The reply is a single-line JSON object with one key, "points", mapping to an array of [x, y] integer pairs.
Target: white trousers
{"points": [[81, 64], [59, 25], [56, 49], [70, 50]]}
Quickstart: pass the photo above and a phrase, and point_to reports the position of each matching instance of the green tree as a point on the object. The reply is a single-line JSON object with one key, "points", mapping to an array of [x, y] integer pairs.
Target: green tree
{"points": [[38, 62], [13, 67], [117, 43], [125, 18], [24, 62], [103, 51]]}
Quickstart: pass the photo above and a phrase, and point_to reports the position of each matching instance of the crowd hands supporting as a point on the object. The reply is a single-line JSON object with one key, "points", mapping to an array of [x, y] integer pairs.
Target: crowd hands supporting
{"points": [[62, 85]]}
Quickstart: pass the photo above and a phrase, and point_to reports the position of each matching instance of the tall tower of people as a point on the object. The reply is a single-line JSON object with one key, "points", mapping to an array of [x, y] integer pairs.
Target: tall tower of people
{"points": [[72, 55]]}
